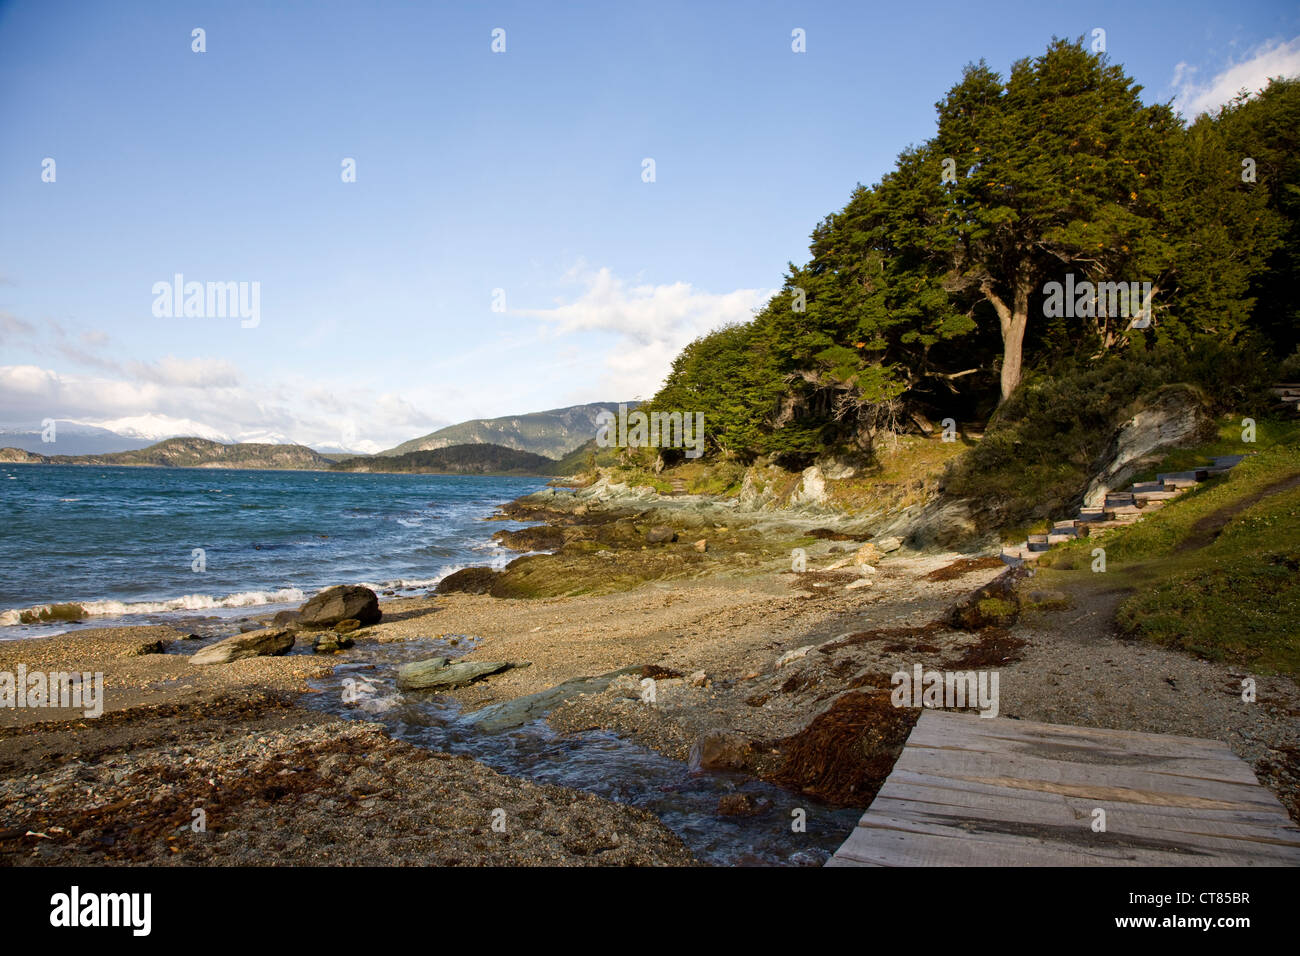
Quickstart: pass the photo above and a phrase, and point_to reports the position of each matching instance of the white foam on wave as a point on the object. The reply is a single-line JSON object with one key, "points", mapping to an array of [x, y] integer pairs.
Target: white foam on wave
{"points": [[186, 602]]}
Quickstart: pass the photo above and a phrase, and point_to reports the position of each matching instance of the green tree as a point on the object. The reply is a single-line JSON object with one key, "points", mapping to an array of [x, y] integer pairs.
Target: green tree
{"points": [[1054, 169]]}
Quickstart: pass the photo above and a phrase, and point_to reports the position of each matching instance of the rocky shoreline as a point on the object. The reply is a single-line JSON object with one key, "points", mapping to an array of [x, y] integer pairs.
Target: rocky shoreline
{"points": [[750, 641]]}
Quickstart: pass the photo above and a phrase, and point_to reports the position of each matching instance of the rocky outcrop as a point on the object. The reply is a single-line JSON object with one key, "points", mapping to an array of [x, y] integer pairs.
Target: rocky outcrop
{"points": [[811, 490], [20, 457], [469, 581], [538, 538], [346, 601], [267, 642], [1176, 415]]}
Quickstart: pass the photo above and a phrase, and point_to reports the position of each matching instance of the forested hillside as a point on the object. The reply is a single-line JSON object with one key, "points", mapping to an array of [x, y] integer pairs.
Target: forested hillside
{"points": [[979, 279]]}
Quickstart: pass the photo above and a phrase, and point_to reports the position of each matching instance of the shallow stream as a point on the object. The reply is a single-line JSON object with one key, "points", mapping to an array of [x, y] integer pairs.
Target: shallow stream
{"points": [[599, 762]]}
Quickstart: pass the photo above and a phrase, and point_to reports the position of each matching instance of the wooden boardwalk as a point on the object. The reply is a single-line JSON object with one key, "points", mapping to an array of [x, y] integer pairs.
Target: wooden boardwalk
{"points": [[971, 791]]}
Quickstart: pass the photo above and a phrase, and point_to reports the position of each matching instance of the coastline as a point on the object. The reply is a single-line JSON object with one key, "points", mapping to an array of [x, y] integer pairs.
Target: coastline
{"points": [[757, 671]]}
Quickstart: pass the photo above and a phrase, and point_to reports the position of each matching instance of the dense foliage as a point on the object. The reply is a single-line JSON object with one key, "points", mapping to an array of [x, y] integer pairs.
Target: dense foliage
{"points": [[926, 295]]}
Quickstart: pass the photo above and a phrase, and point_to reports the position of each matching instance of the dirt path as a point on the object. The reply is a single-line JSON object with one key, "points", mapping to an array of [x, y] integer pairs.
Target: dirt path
{"points": [[1211, 526]]}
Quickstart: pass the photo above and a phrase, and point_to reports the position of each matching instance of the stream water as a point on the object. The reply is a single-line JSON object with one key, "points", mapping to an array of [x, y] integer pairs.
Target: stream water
{"points": [[598, 762]]}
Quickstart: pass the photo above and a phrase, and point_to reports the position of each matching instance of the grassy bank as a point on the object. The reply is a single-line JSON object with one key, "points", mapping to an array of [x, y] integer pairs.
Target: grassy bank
{"points": [[1216, 572]]}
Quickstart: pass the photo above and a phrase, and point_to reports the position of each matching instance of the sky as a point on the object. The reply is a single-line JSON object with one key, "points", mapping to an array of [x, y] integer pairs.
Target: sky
{"points": [[503, 247]]}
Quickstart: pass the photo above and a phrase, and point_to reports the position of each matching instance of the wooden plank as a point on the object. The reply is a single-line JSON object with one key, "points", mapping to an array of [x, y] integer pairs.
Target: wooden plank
{"points": [[969, 791], [1080, 839], [953, 724], [1073, 824], [1221, 765], [1262, 820], [1091, 781], [914, 849]]}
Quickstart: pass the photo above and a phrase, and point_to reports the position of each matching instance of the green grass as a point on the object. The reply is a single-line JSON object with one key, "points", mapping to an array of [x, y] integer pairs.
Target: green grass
{"points": [[1234, 599]]}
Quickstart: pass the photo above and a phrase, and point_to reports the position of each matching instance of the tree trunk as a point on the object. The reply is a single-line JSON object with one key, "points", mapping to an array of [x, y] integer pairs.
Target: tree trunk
{"points": [[1013, 320]]}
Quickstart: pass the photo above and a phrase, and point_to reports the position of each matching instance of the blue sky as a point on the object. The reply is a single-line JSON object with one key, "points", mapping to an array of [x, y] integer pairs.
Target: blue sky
{"points": [[476, 171]]}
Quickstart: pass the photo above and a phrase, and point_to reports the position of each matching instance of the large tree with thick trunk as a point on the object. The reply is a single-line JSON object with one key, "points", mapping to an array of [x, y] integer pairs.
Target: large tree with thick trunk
{"points": [[1054, 170]]}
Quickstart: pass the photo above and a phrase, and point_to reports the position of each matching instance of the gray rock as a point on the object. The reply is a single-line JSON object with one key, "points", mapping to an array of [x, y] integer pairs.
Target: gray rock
{"points": [[887, 545], [811, 489], [660, 535], [515, 713], [441, 672], [268, 642], [339, 604], [1176, 415]]}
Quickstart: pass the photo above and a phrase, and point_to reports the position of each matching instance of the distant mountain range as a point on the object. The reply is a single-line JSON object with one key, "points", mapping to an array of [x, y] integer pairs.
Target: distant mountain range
{"points": [[541, 443], [187, 453], [71, 439], [480, 458], [552, 433]]}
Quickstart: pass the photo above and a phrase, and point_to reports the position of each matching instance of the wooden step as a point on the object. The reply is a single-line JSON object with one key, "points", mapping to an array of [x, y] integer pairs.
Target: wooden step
{"points": [[1019, 554], [1197, 474], [1148, 487], [1145, 496], [1038, 542]]}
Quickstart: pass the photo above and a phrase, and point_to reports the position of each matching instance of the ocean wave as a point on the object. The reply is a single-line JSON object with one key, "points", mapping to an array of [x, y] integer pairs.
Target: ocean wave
{"points": [[42, 613]]}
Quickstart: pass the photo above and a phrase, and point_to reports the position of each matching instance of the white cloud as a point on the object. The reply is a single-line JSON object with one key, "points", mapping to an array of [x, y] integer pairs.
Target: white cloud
{"points": [[651, 323], [356, 419], [1269, 59], [191, 373]]}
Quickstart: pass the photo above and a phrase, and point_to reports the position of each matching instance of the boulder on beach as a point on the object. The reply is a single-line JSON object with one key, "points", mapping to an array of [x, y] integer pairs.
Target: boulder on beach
{"points": [[469, 581], [267, 642], [441, 672], [340, 603], [867, 554], [285, 618], [660, 534], [518, 711]]}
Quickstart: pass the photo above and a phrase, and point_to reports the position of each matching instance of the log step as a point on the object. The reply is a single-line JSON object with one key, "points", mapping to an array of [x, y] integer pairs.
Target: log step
{"points": [[1144, 496], [1148, 487]]}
